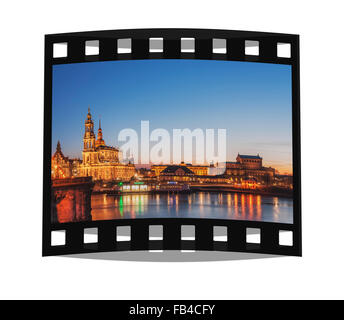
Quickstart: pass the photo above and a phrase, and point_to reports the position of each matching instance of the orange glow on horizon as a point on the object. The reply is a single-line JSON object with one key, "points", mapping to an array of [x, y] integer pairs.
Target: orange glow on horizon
{"points": [[280, 168]]}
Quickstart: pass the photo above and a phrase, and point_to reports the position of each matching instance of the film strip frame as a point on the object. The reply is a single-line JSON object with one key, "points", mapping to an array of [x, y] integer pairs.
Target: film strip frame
{"points": [[203, 48]]}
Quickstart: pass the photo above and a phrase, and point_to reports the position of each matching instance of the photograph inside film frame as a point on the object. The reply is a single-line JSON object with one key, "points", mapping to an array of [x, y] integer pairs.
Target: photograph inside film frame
{"points": [[171, 139]]}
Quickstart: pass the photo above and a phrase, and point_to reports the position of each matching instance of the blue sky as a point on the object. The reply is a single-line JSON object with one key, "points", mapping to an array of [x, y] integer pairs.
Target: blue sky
{"points": [[251, 100]]}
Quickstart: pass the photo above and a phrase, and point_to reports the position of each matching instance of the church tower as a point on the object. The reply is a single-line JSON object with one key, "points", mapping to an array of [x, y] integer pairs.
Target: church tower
{"points": [[89, 137], [89, 152], [100, 141], [100, 161]]}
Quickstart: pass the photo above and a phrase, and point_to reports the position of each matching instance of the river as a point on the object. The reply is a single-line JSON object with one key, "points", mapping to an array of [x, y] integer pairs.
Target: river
{"points": [[194, 205]]}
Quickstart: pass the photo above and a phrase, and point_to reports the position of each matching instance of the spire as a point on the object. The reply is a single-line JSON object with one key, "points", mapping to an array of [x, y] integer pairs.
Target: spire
{"points": [[100, 141], [89, 137], [89, 117], [58, 150], [100, 133], [58, 147]]}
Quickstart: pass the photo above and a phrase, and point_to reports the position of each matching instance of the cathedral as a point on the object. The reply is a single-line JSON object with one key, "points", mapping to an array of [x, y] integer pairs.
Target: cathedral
{"points": [[99, 161]]}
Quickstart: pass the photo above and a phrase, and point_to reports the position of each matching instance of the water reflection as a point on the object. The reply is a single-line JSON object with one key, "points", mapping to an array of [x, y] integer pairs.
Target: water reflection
{"points": [[195, 205]]}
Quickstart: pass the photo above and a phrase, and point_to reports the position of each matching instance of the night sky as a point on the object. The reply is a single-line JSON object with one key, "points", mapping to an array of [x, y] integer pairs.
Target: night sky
{"points": [[251, 100]]}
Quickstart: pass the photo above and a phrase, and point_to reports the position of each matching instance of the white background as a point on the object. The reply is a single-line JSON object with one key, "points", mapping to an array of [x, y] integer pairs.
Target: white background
{"points": [[25, 274]]}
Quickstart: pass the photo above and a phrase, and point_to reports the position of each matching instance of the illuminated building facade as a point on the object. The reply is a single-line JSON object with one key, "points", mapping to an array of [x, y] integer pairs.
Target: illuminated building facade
{"points": [[248, 171], [100, 161], [177, 173], [180, 173], [133, 187], [249, 166], [249, 183], [196, 169], [62, 166]]}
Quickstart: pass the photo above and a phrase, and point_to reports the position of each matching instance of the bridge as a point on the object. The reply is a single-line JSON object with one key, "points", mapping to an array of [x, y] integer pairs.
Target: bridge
{"points": [[71, 199]]}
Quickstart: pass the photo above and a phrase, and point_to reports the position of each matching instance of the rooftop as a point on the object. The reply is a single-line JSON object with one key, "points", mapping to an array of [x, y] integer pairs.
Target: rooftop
{"points": [[107, 147], [173, 169], [244, 156]]}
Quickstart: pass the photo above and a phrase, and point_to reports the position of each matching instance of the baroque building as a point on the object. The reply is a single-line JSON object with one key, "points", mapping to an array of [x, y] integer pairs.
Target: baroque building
{"points": [[100, 161], [62, 166], [249, 166]]}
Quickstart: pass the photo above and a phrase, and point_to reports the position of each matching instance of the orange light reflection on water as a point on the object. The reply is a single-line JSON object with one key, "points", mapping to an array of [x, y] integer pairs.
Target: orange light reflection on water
{"points": [[229, 203], [240, 206], [259, 207], [243, 205], [250, 205], [236, 207]]}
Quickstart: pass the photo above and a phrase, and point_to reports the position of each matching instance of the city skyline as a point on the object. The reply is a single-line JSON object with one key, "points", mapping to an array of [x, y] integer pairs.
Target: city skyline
{"points": [[253, 102]]}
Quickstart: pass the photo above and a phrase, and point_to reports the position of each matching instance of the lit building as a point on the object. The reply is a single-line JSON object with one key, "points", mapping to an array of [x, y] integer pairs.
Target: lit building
{"points": [[248, 171], [249, 183], [61, 166], [134, 186], [196, 169], [249, 166], [184, 174], [100, 161], [177, 173]]}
